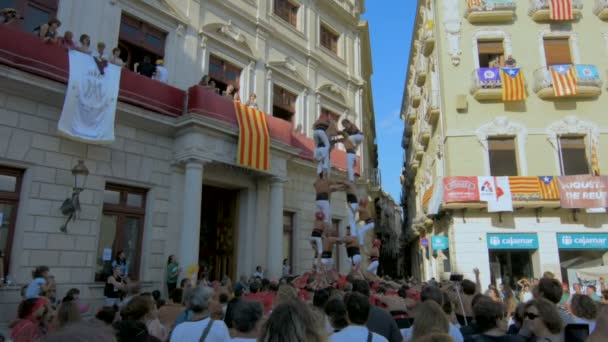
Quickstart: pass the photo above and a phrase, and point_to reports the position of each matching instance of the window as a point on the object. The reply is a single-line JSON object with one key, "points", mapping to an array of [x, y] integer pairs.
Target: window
{"points": [[287, 11], [503, 159], [283, 103], [10, 186], [121, 229], [223, 73], [34, 12], [138, 39], [335, 224], [329, 39], [491, 53], [573, 156], [557, 51], [288, 222]]}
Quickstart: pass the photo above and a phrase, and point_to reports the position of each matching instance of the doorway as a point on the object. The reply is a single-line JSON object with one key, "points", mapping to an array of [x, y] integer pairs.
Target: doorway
{"points": [[509, 266], [218, 232]]}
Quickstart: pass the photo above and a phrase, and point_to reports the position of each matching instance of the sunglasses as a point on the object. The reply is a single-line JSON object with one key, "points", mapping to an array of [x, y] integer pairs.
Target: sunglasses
{"points": [[531, 316]]}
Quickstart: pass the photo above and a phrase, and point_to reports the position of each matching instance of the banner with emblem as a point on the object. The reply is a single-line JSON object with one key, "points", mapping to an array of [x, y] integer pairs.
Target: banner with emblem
{"points": [[460, 189], [583, 192], [89, 107], [489, 77], [586, 72]]}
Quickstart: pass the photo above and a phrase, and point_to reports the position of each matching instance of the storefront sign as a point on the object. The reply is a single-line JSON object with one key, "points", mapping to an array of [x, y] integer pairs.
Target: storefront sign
{"points": [[583, 191], [424, 242], [582, 241], [512, 241], [460, 189], [439, 243]]}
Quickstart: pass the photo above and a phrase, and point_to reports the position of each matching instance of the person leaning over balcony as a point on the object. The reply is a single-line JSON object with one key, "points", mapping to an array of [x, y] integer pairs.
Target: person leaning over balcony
{"points": [[9, 16], [67, 41], [115, 58], [49, 31], [85, 44], [510, 62], [252, 102], [161, 73]]}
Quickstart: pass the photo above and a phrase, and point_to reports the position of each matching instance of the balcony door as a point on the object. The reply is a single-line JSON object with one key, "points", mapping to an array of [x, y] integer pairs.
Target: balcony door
{"points": [[491, 53], [557, 51]]}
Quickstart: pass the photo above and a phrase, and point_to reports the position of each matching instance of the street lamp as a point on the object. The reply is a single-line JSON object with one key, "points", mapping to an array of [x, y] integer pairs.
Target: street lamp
{"points": [[72, 205]]}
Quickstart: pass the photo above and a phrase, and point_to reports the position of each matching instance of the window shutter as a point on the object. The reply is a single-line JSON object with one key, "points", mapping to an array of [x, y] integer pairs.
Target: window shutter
{"points": [[502, 144], [490, 47], [573, 142], [557, 51]]}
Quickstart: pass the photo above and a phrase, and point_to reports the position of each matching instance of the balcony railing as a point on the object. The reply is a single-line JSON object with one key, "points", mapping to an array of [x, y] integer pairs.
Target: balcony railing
{"points": [[375, 177], [421, 70], [486, 84], [492, 11], [588, 82], [601, 9], [415, 96], [428, 37], [540, 9], [434, 107], [412, 115]]}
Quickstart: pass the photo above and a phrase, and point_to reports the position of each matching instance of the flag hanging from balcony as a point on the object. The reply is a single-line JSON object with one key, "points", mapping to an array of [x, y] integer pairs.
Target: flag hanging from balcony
{"points": [[595, 165], [254, 138], [561, 10], [524, 188], [587, 73], [427, 198], [564, 79], [549, 189], [89, 107], [513, 84]]}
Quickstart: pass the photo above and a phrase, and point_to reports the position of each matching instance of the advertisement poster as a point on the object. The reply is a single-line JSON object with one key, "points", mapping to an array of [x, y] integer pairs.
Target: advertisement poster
{"points": [[583, 191], [460, 189]]}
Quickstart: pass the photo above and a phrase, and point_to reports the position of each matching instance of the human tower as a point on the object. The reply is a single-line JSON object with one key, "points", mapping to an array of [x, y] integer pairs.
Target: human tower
{"points": [[324, 236]]}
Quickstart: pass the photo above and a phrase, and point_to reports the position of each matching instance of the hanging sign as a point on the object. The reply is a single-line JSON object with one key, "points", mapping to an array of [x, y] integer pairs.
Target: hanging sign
{"points": [[582, 241], [440, 243], [512, 241], [583, 191], [424, 242]]}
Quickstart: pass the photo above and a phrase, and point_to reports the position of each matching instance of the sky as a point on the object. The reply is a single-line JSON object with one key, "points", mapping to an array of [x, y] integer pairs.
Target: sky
{"points": [[391, 32]]}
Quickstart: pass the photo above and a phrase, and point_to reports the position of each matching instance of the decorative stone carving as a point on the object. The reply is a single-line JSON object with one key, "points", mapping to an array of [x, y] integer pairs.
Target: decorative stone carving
{"points": [[180, 30], [572, 125], [231, 32], [452, 25], [203, 43]]}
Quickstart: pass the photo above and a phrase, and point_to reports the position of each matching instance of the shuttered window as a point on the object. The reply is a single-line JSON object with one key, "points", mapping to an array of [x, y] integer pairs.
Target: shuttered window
{"points": [[329, 39], [573, 156], [503, 159], [491, 53], [287, 10], [557, 51]]}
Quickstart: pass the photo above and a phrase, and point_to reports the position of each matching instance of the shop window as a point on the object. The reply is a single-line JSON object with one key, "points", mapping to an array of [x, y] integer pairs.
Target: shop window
{"points": [[138, 39], [287, 10], [121, 229], [557, 51], [288, 223], [329, 39], [283, 103], [573, 156], [10, 186], [491, 53], [34, 12], [503, 158], [223, 73]]}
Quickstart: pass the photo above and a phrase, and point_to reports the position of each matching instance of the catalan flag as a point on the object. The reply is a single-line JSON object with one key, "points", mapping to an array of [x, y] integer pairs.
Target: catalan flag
{"points": [[513, 84], [561, 10], [564, 79], [474, 4], [549, 189], [254, 138], [427, 197], [524, 188], [595, 165]]}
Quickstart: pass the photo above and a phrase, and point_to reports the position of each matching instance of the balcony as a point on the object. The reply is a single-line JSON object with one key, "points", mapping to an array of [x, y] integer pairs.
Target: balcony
{"points": [[588, 85], [434, 108], [424, 135], [375, 178], [418, 152], [601, 9], [414, 166], [421, 70], [487, 85], [415, 97], [428, 38], [412, 116], [492, 11], [540, 11]]}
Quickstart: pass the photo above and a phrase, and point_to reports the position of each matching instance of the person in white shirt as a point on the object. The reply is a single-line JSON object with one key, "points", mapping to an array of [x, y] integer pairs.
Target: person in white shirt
{"points": [[259, 273], [246, 321], [357, 312], [161, 74], [201, 326]]}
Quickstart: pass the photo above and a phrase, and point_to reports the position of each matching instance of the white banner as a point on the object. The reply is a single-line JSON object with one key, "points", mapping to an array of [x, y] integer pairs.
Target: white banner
{"points": [[487, 189], [436, 198], [503, 200], [90, 100]]}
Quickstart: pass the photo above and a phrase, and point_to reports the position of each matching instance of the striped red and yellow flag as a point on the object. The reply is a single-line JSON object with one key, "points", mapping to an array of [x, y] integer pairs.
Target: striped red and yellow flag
{"points": [[254, 138], [549, 189], [564, 79], [474, 3], [427, 197], [595, 165], [561, 10], [524, 187], [513, 84]]}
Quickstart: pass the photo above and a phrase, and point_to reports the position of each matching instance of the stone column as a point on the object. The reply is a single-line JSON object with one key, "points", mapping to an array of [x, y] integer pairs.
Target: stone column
{"points": [[275, 230], [191, 217]]}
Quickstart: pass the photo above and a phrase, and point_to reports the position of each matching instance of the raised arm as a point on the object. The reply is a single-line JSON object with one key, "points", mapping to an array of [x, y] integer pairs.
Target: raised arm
{"points": [[477, 281]]}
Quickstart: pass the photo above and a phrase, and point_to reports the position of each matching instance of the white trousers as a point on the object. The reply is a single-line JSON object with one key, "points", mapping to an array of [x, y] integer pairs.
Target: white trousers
{"points": [[356, 139], [352, 213], [373, 267], [350, 164], [362, 230], [325, 208], [321, 154], [319, 242]]}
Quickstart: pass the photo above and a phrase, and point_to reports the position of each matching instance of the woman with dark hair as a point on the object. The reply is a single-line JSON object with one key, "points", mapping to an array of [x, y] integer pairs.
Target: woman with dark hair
{"points": [[492, 321], [68, 312], [120, 261], [49, 31], [85, 44], [173, 271], [336, 313], [40, 283], [584, 310], [115, 287], [29, 326], [543, 320]]}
